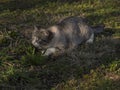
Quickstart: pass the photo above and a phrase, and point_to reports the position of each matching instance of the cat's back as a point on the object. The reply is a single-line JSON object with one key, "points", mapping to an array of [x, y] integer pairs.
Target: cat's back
{"points": [[71, 20], [75, 28], [70, 25]]}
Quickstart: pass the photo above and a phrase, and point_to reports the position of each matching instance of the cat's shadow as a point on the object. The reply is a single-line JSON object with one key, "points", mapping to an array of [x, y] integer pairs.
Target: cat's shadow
{"points": [[79, 62], [75, 64]]}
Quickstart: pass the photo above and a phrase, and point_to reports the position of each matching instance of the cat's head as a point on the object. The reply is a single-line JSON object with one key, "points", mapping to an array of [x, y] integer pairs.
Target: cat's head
{"points": [[41, 38]]}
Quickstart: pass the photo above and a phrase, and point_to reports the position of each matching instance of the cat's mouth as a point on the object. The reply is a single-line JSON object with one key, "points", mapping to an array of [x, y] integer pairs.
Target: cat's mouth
{"points": [[43, 51]]}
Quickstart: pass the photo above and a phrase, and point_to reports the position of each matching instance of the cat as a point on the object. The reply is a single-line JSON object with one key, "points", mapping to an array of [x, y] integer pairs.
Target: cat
{"points": [[64, 36]]}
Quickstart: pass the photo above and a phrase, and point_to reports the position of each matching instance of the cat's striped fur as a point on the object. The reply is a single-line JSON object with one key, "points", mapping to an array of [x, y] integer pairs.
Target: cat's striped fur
{"points": [[64, 36]]}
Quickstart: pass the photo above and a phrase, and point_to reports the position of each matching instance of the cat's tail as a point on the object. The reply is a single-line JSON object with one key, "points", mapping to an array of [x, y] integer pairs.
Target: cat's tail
{"points": [[98, 28]]}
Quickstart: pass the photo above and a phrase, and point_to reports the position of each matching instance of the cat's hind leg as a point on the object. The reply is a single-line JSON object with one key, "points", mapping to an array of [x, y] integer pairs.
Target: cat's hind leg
{"points": [[91, 39]]}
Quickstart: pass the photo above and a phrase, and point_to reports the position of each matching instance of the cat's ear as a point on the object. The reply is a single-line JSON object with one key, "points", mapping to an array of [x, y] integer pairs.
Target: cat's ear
{"points": [[34, 31], [45, 32], [35, 28]]}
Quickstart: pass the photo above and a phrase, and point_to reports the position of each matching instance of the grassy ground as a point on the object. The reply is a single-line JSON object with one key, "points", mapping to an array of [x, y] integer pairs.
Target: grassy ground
{"points": [[89, 67]]}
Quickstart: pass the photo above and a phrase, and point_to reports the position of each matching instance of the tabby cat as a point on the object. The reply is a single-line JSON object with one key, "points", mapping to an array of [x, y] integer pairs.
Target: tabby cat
{"points": [[64, 36]]}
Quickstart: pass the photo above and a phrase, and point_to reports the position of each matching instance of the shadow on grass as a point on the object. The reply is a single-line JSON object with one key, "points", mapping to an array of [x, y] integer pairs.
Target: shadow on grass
{"points": [[27, 4], [19, 4], [73, 65]]}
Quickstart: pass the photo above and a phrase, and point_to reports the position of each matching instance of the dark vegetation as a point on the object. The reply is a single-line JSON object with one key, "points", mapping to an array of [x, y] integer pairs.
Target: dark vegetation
{"points": [[89, 67]]}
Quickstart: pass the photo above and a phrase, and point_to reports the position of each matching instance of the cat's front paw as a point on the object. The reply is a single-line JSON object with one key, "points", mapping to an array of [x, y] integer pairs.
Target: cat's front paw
{"points": [[49, 52]]}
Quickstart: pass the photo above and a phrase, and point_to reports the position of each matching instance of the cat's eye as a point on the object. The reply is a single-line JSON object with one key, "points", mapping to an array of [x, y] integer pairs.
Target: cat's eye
{"points": [[44, 40]]}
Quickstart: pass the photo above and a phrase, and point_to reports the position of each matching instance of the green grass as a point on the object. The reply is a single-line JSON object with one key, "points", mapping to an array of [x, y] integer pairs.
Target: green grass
{"points": [[89, 67]]}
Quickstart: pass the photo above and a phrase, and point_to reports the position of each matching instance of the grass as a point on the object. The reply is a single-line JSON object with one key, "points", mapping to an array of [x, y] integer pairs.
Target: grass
{"points": [[88, 67]]}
